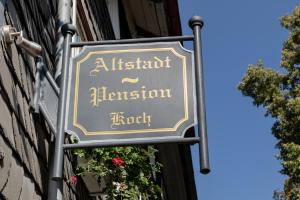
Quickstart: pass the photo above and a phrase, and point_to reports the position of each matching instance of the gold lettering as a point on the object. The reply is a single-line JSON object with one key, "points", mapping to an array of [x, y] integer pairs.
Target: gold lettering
{"points": [[119, 119], [113, 64], [158, 61], [138, 119], [152, 92], [129, 66], [147, 119], [103, 94], [138, 62], [99, 64], [122, 95], [143, 91], [168, 60], [111, 96], [134, 94], [130, 120], [93, 101], [120, 63], [162, 93], [147, 64]]}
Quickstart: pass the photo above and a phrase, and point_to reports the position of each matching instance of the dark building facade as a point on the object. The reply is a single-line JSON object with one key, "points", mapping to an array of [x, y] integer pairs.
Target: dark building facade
{"points": [[26, 139]]}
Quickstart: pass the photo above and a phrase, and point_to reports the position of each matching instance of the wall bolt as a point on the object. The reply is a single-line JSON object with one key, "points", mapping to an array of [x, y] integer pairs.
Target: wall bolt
{"points": [[2, 155]]}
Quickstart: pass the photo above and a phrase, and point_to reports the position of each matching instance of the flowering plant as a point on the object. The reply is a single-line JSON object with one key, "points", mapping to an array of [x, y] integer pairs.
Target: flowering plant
{"points": [[127, 172], [118, 161], [73, 180]]}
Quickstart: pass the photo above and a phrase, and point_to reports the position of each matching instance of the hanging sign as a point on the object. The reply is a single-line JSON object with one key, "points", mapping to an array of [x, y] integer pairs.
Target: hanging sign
{"points": [[134, 91]]}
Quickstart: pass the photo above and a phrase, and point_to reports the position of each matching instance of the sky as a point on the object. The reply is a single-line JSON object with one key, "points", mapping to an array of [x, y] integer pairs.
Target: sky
{"points": [[241, 147]]}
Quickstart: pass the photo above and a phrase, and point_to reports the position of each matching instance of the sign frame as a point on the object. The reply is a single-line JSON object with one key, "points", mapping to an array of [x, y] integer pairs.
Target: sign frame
{"points": [[184, 70], [195, 23]]}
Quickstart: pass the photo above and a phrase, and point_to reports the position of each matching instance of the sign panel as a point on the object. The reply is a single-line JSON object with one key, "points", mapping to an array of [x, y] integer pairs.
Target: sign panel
{"points": [[48, 101], [134, 91]]}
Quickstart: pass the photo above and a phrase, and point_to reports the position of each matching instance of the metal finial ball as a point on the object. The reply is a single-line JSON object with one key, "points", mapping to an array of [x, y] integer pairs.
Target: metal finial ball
{"points": [[68, 28], [196, 20]]}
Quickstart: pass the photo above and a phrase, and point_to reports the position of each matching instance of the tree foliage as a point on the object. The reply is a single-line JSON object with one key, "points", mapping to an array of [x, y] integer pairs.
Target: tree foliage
{"points": [[279, 94]]}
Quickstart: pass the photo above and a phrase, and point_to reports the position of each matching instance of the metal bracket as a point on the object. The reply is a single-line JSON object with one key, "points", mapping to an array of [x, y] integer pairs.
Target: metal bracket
{"points": [[46, 94], [9, 33]]}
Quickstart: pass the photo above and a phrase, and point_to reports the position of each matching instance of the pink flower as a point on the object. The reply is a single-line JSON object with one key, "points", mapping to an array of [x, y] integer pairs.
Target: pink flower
{"points": [[118, 161], [73, 180]]}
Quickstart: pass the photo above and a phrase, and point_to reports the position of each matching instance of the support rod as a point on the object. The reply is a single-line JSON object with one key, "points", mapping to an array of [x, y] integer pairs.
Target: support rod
{"points": [[131, 41], [196, 23], [131, 142], [68, 30], [51, 80], [44, 113], [37, 84], [64, 16]]}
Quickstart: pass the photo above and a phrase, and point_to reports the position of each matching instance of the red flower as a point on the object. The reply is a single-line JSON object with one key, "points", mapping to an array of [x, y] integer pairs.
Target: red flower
{"points": [[73, 180], [118, 161]]}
